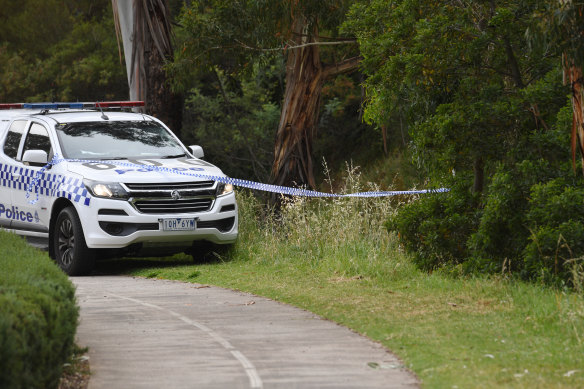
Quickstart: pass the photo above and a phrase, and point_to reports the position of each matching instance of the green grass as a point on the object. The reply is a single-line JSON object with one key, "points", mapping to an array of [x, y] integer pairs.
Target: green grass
{"points": [[334, 258]]}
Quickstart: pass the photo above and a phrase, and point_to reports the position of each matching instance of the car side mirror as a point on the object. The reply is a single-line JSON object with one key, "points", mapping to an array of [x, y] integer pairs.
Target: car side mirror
{"points": [[197, 151], [35, 157]]}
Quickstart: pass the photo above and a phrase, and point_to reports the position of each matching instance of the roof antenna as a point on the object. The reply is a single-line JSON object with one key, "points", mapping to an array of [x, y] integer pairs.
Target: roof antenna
{"points": [[103, 115]]}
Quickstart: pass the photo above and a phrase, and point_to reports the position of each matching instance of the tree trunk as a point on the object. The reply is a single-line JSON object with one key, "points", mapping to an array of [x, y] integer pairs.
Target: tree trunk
{"points": [[479, 175], [304, 77], [573, 75], [160, 102], [145, 30]]}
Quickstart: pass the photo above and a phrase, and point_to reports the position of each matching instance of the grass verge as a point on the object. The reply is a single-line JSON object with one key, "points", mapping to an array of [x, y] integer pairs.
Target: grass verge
{"points": [[335, 259]]}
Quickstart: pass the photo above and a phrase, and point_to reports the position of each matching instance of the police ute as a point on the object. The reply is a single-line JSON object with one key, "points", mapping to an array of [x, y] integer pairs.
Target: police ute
{"points": [[93, 180]]}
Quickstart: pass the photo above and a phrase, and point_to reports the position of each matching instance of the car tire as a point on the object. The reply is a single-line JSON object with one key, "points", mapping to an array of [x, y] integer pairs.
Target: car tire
{"points": [[71, 252]]}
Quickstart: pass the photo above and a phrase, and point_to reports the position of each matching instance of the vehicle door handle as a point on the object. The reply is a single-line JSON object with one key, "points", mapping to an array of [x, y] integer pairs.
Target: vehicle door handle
{"points": [[16, 177]]}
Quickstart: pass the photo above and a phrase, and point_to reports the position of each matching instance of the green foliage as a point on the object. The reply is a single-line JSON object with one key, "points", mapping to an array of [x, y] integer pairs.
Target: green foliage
{"points": [[436, 227], [231, 64], [453, 71], [529, 222], [236, 35], [85, 66], [481, 104], [31, 27], [15, 79], [235, 121], [342, 136], [557, 28], [69, 54], [502, 232], [556, 220], [514, 209], [38, 318]]}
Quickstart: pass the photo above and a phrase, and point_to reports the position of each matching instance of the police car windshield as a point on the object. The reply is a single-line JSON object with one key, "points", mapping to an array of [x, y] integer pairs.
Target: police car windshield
{"points": [[116, 140]]}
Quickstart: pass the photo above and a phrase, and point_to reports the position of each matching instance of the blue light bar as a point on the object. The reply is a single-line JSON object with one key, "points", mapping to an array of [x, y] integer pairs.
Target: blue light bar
{"points": [[53, 105]]}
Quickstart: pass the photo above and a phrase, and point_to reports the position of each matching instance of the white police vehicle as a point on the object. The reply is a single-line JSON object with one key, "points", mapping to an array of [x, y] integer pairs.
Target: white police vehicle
{"points": [[121, 183]]}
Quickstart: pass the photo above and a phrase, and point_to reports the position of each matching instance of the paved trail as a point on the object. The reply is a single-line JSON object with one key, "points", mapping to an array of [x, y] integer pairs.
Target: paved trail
{"points": [[145, 333]]}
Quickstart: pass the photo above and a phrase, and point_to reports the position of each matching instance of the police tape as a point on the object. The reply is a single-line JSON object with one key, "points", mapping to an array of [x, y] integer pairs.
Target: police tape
{"points": [[284, 190]]}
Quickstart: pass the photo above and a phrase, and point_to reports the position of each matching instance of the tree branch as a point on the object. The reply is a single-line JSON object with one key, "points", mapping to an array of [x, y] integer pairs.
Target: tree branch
{"points": [[287, 47], [341, 67]]}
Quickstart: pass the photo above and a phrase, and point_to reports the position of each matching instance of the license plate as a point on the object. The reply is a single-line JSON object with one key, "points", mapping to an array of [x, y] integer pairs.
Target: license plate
{"points": [[178, 224]]}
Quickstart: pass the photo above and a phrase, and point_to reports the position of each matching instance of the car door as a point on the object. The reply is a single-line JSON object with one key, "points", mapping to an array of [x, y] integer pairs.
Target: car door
{"points": [[31, 209], [11, 144]]}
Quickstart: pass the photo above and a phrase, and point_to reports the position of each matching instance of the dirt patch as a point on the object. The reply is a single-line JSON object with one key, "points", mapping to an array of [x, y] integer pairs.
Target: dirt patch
{"points": [[76, 373]]}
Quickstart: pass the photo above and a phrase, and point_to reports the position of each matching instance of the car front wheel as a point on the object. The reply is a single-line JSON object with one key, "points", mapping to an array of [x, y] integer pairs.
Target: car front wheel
{"points": [[71, 252]]}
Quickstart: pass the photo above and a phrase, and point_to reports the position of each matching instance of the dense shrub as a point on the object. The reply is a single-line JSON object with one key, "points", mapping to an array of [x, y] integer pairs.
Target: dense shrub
{"points": [[556, 222], [38, 316], [529, 221], [436, 227], [502, 231]]}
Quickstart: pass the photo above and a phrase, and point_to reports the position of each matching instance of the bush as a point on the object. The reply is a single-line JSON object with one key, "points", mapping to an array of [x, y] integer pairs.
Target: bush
{"points": [[38, 316], [556, 220], [502, 231], [554, 252], [436, 227], [528, 222]]}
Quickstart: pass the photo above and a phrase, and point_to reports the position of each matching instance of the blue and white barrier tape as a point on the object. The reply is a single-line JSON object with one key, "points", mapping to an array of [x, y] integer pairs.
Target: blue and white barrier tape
{"points": [[228, 180]]}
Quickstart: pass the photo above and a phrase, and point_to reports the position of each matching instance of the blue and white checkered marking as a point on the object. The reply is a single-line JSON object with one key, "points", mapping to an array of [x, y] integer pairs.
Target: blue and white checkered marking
{"points": [[74, 189], [42, 183]]}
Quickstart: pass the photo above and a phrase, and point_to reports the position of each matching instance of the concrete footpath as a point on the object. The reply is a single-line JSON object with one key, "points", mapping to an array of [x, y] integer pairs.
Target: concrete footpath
{"points": [[145, 333]]}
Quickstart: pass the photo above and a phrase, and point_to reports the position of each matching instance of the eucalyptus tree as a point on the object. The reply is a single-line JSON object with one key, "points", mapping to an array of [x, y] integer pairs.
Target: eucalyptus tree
{"points": [[235, 35], [144, 26]]}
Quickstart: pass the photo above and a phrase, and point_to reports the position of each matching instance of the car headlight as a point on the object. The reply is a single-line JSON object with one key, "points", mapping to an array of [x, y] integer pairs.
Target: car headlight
{"points": [[224, 189], [108, 190]]}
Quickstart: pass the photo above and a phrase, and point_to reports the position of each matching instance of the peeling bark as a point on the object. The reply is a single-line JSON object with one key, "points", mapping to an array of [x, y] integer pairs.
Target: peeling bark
{"points": [[297, 128], [144, 28], [305, 75], [573, 75]]}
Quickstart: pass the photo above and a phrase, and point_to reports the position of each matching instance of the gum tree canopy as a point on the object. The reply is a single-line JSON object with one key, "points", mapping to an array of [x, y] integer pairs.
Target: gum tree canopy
{"points": [[235, 36]]}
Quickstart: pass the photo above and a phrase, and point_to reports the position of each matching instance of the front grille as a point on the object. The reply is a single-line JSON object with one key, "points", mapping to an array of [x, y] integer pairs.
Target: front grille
{"points": [[172, 186], [172, 197], [168, 193], [174, 206]]}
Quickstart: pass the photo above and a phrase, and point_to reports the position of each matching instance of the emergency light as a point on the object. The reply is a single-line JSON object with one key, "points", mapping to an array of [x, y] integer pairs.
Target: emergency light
{"points": [[99, 104]]}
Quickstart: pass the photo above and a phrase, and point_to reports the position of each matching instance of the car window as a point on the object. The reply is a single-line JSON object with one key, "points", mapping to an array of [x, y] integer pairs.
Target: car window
{"points": [[37, 139], [117, 140], [13, 137]]}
